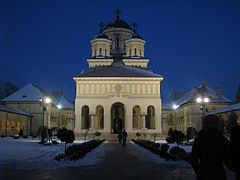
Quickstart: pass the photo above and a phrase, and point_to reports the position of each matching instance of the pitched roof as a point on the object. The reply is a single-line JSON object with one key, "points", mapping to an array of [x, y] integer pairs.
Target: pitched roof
{"points": [[62, 100], [118, 70], [232, 107], [200, 91], [13, 110], [29, 92]]}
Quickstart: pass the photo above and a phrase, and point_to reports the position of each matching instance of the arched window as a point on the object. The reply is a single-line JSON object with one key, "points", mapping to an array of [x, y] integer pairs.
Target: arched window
{"points": [[150, 119], [100, 51], [99, 123], [85, 117], [137, 123]]}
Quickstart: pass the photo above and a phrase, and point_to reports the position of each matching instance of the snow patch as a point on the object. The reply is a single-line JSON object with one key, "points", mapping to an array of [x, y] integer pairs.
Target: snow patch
{"points": [[27, 154]]}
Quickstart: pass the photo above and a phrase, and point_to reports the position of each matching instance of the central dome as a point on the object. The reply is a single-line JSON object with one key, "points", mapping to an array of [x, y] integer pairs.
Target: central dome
{"points": [[118, 24]]}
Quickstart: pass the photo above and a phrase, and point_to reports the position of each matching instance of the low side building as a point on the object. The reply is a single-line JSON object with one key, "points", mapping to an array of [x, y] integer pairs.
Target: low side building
{"points": [[188, 112], [13, 119], [27, 99], [225, 112]]}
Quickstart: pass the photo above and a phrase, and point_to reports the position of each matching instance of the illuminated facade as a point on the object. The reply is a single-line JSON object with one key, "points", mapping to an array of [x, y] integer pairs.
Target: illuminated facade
{"points": [[119, 91]]}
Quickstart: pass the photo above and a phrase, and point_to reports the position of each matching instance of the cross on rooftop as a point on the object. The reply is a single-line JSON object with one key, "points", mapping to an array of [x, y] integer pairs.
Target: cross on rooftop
{"points": [[134, 25], [118, 12], [101, 25]]}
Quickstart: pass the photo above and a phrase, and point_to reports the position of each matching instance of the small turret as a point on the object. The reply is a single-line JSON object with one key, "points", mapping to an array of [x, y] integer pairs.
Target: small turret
{"points": [[100, 44], [135, 44]]}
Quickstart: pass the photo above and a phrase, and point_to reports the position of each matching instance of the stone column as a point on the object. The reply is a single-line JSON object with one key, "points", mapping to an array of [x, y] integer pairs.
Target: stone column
{"points": [[128, 124], [144, 120], [107, 119], [92, 116]]}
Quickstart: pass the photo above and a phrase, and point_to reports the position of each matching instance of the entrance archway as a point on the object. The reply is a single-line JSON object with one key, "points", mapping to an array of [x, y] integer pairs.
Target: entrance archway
{"points": [[117, 117]]}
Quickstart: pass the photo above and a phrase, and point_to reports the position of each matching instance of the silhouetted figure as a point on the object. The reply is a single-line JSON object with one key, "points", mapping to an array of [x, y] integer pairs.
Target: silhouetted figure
{"points": [[20, 132], [120, 137], [170, 132], [124, 136], [209, 150], [232, 159]]}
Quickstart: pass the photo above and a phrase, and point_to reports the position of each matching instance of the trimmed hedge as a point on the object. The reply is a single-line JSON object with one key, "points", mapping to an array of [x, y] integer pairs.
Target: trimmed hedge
{"points": [[176, 153], [76, 152]]}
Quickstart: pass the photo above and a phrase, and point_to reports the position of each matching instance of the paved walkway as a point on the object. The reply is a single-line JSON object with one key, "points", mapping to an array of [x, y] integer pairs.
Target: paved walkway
{"points": [[118, 162]]}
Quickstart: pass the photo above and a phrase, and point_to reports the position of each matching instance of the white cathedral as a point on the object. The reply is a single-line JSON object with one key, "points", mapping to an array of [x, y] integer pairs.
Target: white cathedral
{"points": [[119, 91]]}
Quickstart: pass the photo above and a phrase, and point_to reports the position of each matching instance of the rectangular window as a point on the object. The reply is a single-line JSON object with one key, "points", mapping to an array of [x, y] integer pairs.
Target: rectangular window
{"points": [[100, 51], [135, 51]]}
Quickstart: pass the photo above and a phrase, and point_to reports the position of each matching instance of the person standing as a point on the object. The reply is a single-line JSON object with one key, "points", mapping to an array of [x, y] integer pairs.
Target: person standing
{"points": [[232, 160], [209, 150], [124, 136], [120, 137]]}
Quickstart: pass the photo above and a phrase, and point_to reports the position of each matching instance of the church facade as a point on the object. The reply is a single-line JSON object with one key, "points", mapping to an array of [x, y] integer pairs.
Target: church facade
{"points": [[119, 91]]}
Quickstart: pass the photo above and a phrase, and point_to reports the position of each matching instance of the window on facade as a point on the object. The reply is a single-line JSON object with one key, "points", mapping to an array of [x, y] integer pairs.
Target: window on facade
{"points": [[136, 117], [130, 52], [85, 117], [95, 52], [100, 117], [135, 51], [140, 52], [105, 52], [100, 51], [150, 118]]}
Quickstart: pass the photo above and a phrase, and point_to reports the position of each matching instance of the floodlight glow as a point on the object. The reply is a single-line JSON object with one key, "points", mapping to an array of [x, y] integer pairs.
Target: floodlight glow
{"points": [[48, 100], [175, 106], [59, 106], [199, 100], [206, 100]]}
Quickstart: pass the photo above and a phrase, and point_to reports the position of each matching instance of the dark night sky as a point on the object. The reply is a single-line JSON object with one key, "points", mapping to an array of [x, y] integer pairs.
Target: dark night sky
{"points": [[46, 42]]}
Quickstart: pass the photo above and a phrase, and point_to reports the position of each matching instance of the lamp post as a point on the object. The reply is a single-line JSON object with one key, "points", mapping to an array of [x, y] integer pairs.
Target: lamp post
{"points": [[44, 103], [59, 116], [175, 108], [202, 101]]}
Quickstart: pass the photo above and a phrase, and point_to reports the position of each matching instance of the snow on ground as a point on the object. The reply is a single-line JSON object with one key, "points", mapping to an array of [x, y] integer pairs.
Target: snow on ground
{"points": [[160, 160], [27, 154], [187, 148]]}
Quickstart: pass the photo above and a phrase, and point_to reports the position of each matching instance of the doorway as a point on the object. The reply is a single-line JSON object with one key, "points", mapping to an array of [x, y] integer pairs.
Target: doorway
{"points": [[117, 117]]}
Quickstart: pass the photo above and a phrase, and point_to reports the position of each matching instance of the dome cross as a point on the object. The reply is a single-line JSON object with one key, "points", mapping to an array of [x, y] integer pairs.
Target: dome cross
{"points": [[134, 25], [118, 12], [101, 25]]}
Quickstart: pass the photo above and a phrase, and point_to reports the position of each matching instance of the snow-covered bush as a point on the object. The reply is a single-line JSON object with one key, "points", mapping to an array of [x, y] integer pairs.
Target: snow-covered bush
{"points": [[3, 136], [16, 136], [66, 136], [76, 152], [177, 153]]}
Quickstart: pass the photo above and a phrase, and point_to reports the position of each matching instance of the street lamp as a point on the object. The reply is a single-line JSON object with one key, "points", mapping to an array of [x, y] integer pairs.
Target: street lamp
{"points": [[44, 103], [202, 101], [59, 108], [175, 108]]}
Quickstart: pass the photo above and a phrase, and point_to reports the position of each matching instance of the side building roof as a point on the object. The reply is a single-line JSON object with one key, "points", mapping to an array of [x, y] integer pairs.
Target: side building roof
{"points": [[29, 92], [62, 100], [232, 107], [13, 110], [200, 91]]}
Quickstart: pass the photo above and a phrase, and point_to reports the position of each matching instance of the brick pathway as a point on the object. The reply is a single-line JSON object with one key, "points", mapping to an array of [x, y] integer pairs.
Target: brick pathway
{"points": [[118, 163]]}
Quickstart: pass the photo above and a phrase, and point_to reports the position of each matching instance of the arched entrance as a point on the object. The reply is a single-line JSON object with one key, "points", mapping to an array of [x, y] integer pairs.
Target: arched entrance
{"points": [[117, 117]]}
